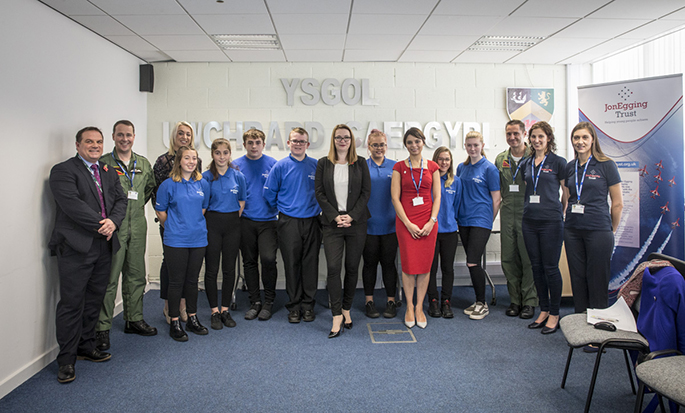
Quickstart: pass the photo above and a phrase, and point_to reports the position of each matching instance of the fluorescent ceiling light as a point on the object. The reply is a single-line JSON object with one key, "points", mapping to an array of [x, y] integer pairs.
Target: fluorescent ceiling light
{"points": [[247, 41], [504, 43]]}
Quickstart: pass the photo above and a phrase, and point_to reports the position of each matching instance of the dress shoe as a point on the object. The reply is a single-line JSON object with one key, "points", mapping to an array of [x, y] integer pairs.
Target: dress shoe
{"points": [[371, 311], [294, 316], [176, 331], [166, 315], [140, 327], [102, 340], [347, 325], [528, 311], [535, 324], [410, 323], [550, 330], [513, 310], [334, 334], [434, 309], [254, 310], [227, 319], [446, 309], [265, 312], [66, 373], [215, 321], [390, 309], [94, 355], [308, 316], [193, 325]]}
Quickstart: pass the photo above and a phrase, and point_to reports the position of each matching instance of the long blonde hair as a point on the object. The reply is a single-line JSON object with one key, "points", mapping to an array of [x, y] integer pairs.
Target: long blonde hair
{"points": [[475, 134], [450, 171], [174, 133], [351, 151], [176, 174]]}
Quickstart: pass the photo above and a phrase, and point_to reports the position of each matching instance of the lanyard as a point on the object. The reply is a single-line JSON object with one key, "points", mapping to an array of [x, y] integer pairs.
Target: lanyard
{"points": [[537, 177], [517, 168], [92, 175], [579, 189], [411, 172], [123, 168]]}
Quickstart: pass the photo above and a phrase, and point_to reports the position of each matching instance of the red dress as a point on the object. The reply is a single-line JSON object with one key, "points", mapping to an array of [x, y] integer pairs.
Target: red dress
{"points": [[416, 254]]}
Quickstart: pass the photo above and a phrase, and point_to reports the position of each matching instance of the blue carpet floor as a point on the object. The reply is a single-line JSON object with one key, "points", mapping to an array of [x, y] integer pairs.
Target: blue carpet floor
{"points": [[492, 365]]}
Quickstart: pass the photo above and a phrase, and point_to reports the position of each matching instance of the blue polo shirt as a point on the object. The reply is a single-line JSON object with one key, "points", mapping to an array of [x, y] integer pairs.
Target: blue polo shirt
{"points": [[382, 221], [449, 205], [185, 226], [477, 181], [553, 171], [290, 187], [256, 171], [598, 178], [226, 191]]}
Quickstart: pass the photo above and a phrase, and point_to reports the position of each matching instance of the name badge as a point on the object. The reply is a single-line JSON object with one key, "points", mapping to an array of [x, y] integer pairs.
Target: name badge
{"points": [[513, 188], [578, 209], [133, 195], [534, 199], [417, 201]]}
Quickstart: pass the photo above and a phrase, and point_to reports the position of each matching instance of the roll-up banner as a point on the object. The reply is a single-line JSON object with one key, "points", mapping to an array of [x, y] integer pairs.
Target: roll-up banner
{"points": [[640, 126]]}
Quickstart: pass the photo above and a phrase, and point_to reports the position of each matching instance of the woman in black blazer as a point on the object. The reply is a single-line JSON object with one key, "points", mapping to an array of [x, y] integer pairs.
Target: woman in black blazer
{"points": [[343, 187]]}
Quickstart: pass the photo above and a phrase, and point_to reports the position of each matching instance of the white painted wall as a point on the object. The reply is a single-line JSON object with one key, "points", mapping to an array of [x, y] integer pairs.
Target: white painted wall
{"points": [[421, 92], [56, 78]]}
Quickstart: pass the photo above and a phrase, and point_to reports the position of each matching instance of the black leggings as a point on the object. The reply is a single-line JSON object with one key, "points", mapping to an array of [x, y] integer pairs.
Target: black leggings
{"points": [[543, 242], [223, 242], [445, 249], [184, 269], [474, 240], [383, 249]]}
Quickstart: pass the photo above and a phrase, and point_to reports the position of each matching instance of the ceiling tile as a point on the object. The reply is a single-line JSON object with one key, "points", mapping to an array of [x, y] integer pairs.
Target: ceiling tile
{"points": [[197, 55], [410, 7], [132, 43], [371, 55], [529, 26], [153, 56], [314, 55], [188, 42], [431, 42], [439, 56], [653, 29], [309, 7], [384, 24], [559, 8], [459, 25], [309, 42], [484, 57], [136, 7], [377, 41], [235, 23], [637, 9], [103, 25], [596, 28], [554, 50], [74, 7], [144, 25], [256, 55], [599, 51], [229, 7], [477, 8], [676, 15], [313, 24]]}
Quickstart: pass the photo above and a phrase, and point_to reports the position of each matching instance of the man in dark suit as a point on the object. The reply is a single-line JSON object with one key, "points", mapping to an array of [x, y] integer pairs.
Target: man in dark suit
{"points": [[90, 208]]}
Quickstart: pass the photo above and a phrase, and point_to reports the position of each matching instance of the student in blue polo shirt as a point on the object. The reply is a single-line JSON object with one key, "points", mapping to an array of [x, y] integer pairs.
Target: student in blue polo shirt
{"points": [[590, 224], [381, 240], [480, 203], [446, 243], [226, 202], [180, 206], [544, 172], [290, 188]]}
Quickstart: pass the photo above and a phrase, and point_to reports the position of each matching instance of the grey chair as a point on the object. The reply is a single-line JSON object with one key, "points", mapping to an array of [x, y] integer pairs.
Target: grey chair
{"points": [[665, 376]]}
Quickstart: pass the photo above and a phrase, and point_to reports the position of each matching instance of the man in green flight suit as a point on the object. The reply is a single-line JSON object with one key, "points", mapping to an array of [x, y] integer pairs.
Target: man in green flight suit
{"points": [[137, 180], [515, 262]]}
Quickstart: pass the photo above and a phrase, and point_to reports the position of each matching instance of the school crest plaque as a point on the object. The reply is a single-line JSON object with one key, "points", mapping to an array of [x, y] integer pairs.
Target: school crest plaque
{"points": [[530, 105]]}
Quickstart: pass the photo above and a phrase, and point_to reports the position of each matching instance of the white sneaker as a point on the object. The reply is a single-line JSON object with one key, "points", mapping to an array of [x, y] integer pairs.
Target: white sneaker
{"points": [[468, 310], [480, 311]]}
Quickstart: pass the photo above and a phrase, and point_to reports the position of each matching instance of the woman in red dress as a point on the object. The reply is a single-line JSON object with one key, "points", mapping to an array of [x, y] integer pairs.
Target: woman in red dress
{"points": [[415, 192]]}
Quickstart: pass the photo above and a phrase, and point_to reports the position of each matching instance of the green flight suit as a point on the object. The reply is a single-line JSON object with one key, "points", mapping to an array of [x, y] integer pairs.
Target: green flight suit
{"points": [[515, 262], [129, 261]]}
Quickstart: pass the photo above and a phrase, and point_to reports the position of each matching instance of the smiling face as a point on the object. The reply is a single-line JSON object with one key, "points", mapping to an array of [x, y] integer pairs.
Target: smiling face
{"points": [[298, 144], [582, 142], [184, 135], [515, 136], [123, 137], [444, 162], [473, 147], [90, 146], [414, 145], [188, 162], [221, 156], [377, 147], [343, 140], [539, 140]]}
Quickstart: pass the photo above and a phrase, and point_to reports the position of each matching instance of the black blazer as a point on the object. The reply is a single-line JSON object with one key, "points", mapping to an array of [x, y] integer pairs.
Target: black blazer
{"points": [[358, 191], [78, 204]]}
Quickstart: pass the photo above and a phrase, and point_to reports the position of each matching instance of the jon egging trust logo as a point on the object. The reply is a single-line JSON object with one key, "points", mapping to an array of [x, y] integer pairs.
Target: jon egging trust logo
{"points": [[627, 105]]}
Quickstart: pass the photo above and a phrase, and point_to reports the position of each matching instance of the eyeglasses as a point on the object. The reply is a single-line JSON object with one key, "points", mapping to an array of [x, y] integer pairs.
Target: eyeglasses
{"points": [[298, 142], [377, 145], [342, 138]]}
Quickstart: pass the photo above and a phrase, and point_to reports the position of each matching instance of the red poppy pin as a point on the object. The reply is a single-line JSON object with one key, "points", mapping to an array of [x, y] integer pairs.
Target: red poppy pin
{"points": [[105, 168]]}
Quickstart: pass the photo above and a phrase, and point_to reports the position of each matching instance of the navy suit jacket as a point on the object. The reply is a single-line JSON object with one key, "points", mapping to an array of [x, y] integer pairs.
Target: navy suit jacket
{"points": [[358, 190], [78, 204]]}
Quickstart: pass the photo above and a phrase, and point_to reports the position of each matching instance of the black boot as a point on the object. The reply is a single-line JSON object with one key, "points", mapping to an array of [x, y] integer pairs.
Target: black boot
{"points": [[176, 331], [193, 325]]}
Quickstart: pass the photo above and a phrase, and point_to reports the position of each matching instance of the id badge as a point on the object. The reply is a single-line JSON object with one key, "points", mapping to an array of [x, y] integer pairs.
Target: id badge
{"points": [[578, 209], [417, 201], [534, 199], [133, 195], [513, 188]]}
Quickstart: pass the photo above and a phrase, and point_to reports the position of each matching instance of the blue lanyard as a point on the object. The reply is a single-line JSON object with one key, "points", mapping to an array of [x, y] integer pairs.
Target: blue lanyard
{"points": [[411, 172], [517, 168], [133, 174], [537, 177], [579, 189]]}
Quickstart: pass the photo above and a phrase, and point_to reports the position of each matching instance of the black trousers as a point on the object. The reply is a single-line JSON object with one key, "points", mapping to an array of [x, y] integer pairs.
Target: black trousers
{"points": [[337, 241], [223, 243], [383, 249], [300, 241], [543, 242], [83, 282], [474, 240], [589, 265], [184, 269], [445, 250], [258, 240]]}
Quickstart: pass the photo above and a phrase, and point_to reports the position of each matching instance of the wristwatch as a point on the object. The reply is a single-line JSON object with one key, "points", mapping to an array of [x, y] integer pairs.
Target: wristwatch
{"points": [[434, 219]]}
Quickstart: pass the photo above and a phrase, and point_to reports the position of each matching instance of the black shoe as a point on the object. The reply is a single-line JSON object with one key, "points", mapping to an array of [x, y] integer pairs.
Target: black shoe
{"points": [[140, 327], [254, 310], [446, 309], [294, 316], [215, 321], [347, 325], [535, 324], [265, 312], [513, 310], [227, 319], [102, 340], [308, 316], [371, 311], [550, 330], [176, 331], [334, 334], [434, 309], [193, 325], [527, 312], [94, 355], [66, 374], [390, 309]]}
